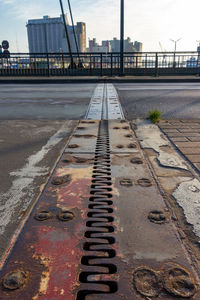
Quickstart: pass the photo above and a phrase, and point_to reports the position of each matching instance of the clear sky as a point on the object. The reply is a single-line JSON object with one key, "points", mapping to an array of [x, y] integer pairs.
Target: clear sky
{"points": [[147, 21]]}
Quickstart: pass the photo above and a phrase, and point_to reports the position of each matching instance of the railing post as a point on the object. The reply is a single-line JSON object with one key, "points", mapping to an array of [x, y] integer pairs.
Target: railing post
{"points": [[111, 64], [146, 61], [63, 63], [48, 69], [101, 64], [156, 65]]}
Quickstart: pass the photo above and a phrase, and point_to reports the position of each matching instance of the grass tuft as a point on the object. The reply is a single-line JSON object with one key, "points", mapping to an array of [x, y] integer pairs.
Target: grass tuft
{"points": [[155, 115]]}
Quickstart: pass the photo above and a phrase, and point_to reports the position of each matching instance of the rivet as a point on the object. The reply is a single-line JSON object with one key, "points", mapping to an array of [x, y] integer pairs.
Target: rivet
{"points": [[128, 135], [132, 146], [116, 128], [120, 146], [81, 160], [136, 160], [66, 161], [43, 215], [125, 127], [147, 282], [157, 216], [80, 128], [86, 136], [14, 280], [65, 216], [144, 182], [126, 182], [73, 146], [179, 282], [58, 180]]}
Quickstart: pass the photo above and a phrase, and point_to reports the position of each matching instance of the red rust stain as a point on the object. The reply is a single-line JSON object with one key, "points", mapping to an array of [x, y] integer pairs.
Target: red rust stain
{"points": [[58, 249]]}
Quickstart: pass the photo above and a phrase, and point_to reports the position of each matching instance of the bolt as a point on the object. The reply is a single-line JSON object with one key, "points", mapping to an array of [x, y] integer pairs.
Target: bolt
{"points": [[86, 136], [147, 282], [126, 182], [73, 146], [144, 182], [66, 161], [136, 160], [65, 216], [14, 280], [58, 180], [81, 160], [179, 282], [43, 215], [132, 146], [80, 128], [157, 216]]}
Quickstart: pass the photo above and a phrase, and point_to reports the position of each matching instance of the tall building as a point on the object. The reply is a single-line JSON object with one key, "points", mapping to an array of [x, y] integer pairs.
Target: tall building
{"points": [[94, 47], [128, 45], [114, 46], [48, 35]]}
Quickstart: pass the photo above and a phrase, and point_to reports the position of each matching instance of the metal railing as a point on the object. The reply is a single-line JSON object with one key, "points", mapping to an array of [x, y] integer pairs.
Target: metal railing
{"points": [[100, 64]]}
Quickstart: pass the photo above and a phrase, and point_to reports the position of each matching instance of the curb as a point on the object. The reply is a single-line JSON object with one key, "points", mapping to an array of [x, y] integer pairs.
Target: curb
{"points": [[53, 80]]}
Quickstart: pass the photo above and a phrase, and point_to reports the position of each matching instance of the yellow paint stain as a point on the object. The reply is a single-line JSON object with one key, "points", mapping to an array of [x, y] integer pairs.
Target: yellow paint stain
{"points": [[62, 292], [84, 173], [45, 276], [44, 282]]}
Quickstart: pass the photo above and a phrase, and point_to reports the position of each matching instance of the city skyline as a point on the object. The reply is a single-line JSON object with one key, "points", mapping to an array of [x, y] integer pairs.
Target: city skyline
{"points": [[148, 21]]}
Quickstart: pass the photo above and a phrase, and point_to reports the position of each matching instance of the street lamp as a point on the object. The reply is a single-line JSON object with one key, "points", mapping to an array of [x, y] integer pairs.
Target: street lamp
{"points": [[122, 39], [175, 44]]}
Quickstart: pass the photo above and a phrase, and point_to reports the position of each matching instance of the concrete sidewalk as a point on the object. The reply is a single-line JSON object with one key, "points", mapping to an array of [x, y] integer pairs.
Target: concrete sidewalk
{"points": [[94, 79]]}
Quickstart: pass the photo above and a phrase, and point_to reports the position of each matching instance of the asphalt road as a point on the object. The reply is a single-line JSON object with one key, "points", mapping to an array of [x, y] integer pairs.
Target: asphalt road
{"points": [[35, 124], [44, 101], [174, 100]]}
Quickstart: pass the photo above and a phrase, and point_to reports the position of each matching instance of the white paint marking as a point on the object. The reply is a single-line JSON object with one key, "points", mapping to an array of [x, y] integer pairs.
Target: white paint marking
{"points": [[21, 193]]}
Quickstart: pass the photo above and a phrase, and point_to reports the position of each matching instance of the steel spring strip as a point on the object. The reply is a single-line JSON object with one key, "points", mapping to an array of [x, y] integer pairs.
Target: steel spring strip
{"points": [[98, 262]]}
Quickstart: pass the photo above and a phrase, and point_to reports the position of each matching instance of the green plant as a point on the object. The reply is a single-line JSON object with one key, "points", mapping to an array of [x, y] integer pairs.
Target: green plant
{"points": [[155, 115]]}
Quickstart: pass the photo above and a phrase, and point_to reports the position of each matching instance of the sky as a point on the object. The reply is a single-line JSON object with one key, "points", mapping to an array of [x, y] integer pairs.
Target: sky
{"points": [[148, 21]]}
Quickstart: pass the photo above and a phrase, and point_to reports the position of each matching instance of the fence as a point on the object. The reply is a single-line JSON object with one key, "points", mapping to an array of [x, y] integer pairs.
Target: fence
{"points": [[100, 64]]}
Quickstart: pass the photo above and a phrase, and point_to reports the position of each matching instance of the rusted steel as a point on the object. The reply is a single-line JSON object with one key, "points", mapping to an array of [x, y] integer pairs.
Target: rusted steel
{"points": [[150, 259], [45, 261], [101, 229]]}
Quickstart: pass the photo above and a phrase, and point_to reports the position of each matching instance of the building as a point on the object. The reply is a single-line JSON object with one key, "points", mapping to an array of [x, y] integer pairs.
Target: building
{"points": [[48, 35], [128, 45], [94, 47], [114, 46]]}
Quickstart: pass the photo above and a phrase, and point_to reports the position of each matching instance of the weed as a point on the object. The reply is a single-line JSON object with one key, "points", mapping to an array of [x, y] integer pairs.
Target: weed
{"points": [[155, 115]]}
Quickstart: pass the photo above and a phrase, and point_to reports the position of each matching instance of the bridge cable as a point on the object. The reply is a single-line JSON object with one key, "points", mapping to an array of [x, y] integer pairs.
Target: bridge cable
{"points": [[74, 33]]}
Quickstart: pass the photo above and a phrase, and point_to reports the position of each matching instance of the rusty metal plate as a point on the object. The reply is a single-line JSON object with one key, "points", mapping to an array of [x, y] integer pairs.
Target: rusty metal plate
{"points": [[122, 139], [96, 232], [45, 261], [84, 139]]}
